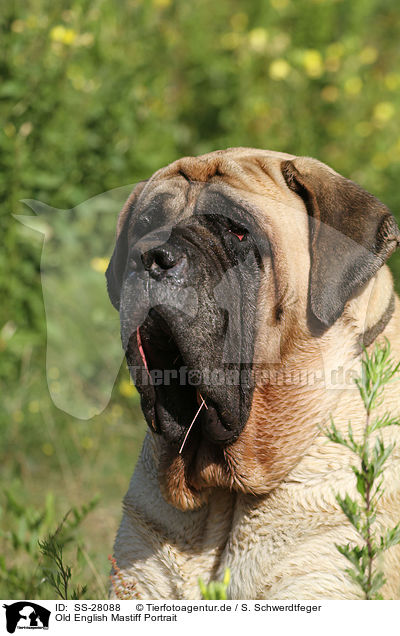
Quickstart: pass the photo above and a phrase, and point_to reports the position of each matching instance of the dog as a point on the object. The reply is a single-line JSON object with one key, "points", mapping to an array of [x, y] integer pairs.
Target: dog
{"points": [[252, 279]]}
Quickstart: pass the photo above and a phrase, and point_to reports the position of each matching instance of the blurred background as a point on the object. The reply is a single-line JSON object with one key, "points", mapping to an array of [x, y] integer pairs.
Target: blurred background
{"points": [[96, 95]]}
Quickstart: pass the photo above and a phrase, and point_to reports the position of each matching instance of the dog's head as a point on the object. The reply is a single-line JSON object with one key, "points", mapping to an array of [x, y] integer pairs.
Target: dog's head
{"points": [[224, 263]]}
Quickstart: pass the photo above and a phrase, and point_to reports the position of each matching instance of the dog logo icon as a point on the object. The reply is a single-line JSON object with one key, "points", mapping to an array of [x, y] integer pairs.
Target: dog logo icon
{"points": [[26, 615]]}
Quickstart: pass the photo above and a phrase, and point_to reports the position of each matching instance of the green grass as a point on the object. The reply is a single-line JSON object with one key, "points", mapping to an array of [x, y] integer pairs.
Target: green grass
{"points": [[53, 464]]}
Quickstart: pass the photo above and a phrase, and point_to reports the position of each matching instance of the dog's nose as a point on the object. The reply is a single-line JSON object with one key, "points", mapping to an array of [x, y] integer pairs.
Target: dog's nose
{"points": [[165, 261]]}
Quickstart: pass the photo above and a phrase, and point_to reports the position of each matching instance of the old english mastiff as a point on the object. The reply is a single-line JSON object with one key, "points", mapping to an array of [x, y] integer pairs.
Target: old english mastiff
{"points": [[247, 283]]}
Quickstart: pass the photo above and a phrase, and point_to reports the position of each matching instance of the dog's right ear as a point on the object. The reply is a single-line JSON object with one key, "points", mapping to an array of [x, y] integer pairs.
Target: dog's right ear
{"points": [[116, 267]]}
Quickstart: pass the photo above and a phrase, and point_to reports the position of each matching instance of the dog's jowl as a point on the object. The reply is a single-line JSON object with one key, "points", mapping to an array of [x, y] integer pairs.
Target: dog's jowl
{"points": [[247, 282]]}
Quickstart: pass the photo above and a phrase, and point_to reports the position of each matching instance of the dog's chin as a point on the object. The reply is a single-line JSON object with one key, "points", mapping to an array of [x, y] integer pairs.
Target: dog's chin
{"points": [[195, 461], [187, 478], [194, 423]]}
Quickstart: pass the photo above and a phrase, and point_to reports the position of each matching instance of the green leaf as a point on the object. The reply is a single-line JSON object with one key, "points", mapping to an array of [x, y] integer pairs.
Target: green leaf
{"points": [[360, 482], [215, 590], [351, 509], [391, 538], [377, 581]]}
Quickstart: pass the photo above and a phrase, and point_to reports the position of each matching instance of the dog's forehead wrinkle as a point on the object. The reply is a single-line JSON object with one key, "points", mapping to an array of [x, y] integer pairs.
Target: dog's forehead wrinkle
{"points": [[176, 197], [170, 208], [232, 162]]}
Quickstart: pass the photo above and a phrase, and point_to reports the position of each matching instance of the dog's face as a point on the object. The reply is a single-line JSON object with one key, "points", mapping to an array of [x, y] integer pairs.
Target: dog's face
{"points": [[224, 264]]}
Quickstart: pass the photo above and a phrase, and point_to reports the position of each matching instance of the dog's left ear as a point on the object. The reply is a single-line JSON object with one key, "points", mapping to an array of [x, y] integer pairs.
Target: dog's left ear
{"points": [[117, 265], [351, 235]]}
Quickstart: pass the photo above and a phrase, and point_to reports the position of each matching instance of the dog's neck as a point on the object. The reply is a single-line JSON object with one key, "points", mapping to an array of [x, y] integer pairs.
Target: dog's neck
{"points": [[315, 377]]}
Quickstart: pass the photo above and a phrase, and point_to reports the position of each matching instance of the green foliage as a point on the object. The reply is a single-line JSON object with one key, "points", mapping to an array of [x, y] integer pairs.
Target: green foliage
{"points": [[32, 565], [215, 590], [57, 573], [378, 369]]}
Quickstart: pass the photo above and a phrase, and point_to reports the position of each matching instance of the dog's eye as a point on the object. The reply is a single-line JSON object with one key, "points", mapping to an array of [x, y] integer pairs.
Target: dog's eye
{"points": [[240, 232]]}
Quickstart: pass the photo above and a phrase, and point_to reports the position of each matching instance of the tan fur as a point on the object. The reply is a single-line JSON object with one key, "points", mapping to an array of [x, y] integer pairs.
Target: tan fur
{"points": [[267, 507]]}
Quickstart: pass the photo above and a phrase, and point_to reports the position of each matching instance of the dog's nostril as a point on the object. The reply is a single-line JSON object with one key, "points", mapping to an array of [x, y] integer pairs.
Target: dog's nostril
{"points": [[161, 258], [165, 259]]}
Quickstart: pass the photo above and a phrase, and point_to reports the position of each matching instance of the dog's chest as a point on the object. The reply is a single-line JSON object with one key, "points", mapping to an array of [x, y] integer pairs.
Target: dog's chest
{"points": [[249, 535]]}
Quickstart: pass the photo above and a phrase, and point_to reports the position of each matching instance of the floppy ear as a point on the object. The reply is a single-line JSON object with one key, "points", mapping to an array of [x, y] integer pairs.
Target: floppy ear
{"points": [[116, 267], [351, 235]]}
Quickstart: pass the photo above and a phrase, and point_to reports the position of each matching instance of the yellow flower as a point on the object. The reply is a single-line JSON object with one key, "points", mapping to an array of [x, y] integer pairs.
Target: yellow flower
{"points": [[258, 39], [99, 264], [48, 449], [126, 388], [312, 62], [353, 85], [87, 443], [368, 55], [9, 129], [57, 33], [335, 50], [279, 4], [34, 406], [384, 111], [279, 69], [64, 36], [392, 81]]}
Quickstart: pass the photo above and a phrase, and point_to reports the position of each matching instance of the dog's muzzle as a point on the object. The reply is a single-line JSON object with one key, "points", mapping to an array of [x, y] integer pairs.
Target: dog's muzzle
{"points": [[174, 333]]}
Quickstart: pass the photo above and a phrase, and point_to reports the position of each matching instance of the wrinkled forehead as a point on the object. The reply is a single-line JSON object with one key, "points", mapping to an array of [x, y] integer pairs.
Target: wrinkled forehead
{"points": [[173, 201]]}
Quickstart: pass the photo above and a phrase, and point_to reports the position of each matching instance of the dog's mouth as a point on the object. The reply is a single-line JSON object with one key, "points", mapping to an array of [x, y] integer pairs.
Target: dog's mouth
{"points": [[178, 401]]}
